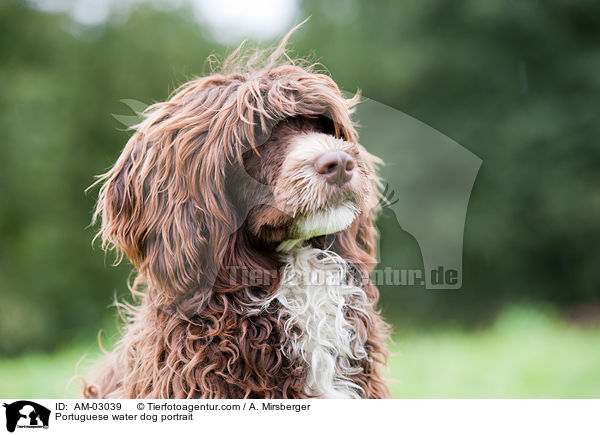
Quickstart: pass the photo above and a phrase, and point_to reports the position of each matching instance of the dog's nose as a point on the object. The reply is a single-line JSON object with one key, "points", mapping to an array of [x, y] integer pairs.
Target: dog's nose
{"points": [[335, 166]]}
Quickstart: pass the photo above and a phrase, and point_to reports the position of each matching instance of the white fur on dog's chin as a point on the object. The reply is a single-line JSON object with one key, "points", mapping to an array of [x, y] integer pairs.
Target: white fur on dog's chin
{"points": [[321, 223], [315, 292], [326, 222]]}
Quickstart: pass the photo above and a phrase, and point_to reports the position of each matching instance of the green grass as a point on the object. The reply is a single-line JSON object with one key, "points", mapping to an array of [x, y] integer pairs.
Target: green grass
{"points": [[46, 376], [526, 354]]}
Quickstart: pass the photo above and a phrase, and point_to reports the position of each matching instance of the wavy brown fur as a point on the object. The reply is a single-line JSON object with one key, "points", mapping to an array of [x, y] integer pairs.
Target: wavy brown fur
{"points": [[195, 333]]}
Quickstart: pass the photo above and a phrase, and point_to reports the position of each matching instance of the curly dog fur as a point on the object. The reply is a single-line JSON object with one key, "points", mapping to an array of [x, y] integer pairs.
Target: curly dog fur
{"points": [[179, 205]]}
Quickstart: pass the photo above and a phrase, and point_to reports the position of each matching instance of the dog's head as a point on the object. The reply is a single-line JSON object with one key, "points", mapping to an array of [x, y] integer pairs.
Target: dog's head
{"points": [[235, 168], [319, 180]]}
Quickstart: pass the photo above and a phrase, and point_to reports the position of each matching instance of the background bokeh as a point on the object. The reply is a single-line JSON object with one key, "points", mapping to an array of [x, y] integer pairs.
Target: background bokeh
{"points": [[515, 82]]}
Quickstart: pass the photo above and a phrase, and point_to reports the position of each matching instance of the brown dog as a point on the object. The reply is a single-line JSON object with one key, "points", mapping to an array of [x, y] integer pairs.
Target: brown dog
{"points": [[246, 203]]}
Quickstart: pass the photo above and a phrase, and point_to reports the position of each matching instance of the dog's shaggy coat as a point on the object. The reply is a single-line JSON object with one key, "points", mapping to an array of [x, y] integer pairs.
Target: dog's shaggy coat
{"points": [[179, 205]]}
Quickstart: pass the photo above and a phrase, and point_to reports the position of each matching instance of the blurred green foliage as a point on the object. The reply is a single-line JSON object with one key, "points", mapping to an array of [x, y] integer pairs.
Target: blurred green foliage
{"points": [[516, 82]]}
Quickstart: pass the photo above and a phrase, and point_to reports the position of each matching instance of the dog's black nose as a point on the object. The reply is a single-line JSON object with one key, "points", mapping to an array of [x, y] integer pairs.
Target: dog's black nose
{"points": [[335, 166]]}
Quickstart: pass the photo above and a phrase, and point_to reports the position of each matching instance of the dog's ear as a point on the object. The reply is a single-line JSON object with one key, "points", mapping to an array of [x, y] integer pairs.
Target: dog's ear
{"points": [[119, 209], [162, 205]]}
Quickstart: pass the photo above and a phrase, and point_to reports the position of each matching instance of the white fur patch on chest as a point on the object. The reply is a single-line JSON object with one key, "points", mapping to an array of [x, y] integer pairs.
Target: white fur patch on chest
{"points": [[315, 292]]}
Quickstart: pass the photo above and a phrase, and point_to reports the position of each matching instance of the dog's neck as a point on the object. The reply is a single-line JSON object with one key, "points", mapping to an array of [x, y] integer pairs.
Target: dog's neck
{"points": [[315, 292]]}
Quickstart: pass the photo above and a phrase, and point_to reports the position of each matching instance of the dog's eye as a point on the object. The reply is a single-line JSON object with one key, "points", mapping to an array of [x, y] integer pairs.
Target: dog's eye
{"points": [[325, 125]]}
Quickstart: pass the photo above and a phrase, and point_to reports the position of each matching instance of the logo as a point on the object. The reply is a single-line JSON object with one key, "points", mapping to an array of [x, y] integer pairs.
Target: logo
{"points": [[26, 414]]}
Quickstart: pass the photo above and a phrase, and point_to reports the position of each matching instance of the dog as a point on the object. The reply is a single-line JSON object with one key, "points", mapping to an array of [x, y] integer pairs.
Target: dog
{"points": [[246, 205]]}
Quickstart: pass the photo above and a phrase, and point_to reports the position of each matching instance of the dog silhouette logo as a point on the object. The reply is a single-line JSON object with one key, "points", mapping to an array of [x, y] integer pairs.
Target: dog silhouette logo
{"points": [[26, 414]]}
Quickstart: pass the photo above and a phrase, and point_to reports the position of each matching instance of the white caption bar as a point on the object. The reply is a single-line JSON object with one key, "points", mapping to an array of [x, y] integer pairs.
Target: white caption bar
{"points": [[21, 416]]}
